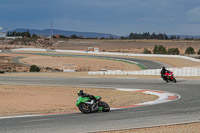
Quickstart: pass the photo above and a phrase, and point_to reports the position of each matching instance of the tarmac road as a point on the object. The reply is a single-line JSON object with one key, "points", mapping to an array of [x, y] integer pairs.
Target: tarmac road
{"points": [[186, 109]]}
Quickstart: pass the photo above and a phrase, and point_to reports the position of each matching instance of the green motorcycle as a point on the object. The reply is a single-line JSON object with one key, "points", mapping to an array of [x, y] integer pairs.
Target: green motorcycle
{"points": [[86, 105]]}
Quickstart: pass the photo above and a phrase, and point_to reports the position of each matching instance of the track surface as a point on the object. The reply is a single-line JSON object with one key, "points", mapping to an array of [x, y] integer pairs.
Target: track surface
{"points": [[186, 109]]}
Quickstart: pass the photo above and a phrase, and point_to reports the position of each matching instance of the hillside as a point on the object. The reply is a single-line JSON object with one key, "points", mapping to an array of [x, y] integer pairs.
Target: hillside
{"points": [[47, 32]]}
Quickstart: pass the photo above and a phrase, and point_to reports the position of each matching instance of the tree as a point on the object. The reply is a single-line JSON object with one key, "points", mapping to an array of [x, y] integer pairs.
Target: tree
{"points": [[26, 34], [122, 37], [153, 36], [155, 50], [34, 68], [34, 36], [159, 49], [173, 51], [131, 36], [23, 34], [172, 37], [189, 50], [74, 37], [147, 35], [146, 51]]}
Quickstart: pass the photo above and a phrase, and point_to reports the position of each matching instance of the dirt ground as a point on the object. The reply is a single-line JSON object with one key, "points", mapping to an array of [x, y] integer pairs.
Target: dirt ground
{"points": [[58, 63], [26, 100], [98, 64], [126, 46], [79, 64], [7, 65], [175, 62]]}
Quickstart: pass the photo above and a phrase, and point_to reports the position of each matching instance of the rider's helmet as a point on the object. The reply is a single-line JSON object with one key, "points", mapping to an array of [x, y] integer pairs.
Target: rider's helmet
{"points": [[163, 68], [80, 92]]}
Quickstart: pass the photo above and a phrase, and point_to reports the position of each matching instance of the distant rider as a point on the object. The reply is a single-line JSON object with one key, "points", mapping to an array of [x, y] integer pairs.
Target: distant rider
{"points": [[163, 71]]}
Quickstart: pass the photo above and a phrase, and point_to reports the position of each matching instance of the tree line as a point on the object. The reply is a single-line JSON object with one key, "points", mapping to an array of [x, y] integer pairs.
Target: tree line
{"points": [[160, 49], [147, 35], [23, 34]]}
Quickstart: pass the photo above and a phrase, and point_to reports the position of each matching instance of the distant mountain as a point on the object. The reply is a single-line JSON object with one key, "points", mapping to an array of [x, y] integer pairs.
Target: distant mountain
{"points": [[189, 36], [47, 32], [186, 36]]}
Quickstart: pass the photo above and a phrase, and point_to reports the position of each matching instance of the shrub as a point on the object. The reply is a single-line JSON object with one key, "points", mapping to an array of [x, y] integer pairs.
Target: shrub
{"points": [[14, 70], [173, 51], [146, 51], [198, 52], [159, 49], [34, 68], [189, 50]]}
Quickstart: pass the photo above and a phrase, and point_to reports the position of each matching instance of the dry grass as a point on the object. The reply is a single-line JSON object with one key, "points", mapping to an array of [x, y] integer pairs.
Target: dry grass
{"points": [[175, 62], [128, 46], [21, 100], [80, 64]]}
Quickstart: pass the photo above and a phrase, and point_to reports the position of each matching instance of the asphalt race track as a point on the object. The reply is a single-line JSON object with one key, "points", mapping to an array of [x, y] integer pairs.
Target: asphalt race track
{"points": [[184, 110], [149, 64]]}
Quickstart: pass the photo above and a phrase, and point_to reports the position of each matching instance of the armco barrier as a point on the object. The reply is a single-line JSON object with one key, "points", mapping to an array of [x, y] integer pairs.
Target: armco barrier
{"points": [[185, 71]]}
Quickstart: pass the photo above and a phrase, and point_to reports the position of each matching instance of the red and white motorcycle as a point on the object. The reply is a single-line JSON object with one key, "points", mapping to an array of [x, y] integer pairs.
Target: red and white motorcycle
{"points": [[168, 76]]}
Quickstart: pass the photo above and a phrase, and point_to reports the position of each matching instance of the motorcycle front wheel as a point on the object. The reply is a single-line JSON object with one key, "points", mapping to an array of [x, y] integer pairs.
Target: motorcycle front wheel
{"points": [[84, 108], [174, 80], [106, 107]]}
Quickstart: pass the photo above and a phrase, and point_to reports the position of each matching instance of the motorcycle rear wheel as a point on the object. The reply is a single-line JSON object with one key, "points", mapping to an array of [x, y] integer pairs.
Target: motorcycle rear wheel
{"points": [[84, 108]]}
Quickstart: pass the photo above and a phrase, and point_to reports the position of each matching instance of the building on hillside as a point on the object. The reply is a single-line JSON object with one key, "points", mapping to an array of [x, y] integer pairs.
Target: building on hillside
{"points": [[57, 36], [2, 35], [13, 37]]}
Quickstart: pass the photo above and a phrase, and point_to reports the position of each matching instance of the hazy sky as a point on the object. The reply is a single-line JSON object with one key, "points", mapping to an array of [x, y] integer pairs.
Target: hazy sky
{"points": [[119, 17]]}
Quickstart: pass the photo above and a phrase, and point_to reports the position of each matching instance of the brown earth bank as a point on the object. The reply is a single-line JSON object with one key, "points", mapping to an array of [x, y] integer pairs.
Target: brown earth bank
{"points": [[48, 63], [126, 46], [7, 65], [26, 100], [175, 62], [78, 64], [181, 128], [97, 64]]}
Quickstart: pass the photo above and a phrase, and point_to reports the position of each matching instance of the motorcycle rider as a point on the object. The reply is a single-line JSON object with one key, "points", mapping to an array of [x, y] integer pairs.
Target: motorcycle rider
{"points": [[163, 71], [82, 94]]}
